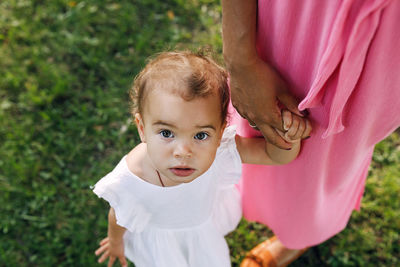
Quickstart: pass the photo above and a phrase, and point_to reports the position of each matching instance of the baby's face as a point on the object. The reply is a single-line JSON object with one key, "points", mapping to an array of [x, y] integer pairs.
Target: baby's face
{"points": [[182, 136]]}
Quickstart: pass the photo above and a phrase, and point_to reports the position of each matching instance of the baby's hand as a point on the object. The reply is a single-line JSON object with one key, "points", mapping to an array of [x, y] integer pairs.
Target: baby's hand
{"points": [[296, 127], [112, 251]]}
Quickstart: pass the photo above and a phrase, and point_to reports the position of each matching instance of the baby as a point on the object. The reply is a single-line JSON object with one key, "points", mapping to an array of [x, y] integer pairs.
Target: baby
{"points": [[173, 196]]}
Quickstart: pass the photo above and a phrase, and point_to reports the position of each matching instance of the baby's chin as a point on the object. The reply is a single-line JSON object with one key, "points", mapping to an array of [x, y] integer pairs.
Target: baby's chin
{"points": [[186, 180]]}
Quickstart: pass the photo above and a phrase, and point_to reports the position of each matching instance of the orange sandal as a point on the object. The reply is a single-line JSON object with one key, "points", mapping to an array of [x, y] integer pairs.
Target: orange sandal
{"points": [[261, 256]]}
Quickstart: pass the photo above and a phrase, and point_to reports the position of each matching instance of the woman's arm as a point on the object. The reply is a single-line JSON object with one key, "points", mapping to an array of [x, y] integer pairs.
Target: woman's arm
{"points": [[239, 32], [256, 87]]}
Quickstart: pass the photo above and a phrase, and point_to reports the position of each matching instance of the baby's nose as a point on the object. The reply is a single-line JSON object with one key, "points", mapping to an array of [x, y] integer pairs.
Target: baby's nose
{"points": [[183, 150]]}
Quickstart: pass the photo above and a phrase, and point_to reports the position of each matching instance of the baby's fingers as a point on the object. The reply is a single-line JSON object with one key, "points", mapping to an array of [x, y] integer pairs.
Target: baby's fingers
{"points": [[111, 261], [300, 130], [307, 130], [291, 133], [104, 241], [123, 262], [281, 134], [104, 256], [100, 250]]}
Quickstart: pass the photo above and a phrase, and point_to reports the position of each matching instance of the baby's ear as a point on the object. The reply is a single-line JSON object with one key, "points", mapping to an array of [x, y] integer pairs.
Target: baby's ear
{"points": [[140, 127]]}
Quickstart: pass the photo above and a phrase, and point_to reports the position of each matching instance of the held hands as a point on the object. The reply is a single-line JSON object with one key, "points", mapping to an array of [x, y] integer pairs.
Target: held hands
{"points": [[112, 250], [256, 91], [296, 128]]}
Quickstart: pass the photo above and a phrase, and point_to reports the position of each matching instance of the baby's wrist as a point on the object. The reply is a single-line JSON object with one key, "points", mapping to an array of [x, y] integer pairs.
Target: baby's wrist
{"points": [[115, 240], [297, 141]]}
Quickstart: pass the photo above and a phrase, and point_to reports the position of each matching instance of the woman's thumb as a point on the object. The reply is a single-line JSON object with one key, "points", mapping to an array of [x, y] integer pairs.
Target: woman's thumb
{"points": [[290, 102]]}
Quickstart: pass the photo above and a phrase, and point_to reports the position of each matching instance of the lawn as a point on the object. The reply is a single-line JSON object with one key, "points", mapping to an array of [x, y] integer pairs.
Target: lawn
{"points": [[66, 67]]}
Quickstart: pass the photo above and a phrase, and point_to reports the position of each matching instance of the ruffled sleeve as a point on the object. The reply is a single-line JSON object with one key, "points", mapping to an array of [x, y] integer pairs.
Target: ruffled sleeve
{"points": [[227, 209], [117, 189], [228, 160]]}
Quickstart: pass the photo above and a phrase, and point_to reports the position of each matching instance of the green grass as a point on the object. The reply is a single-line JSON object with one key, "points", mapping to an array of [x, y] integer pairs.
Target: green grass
{"points": [[66, 67]]}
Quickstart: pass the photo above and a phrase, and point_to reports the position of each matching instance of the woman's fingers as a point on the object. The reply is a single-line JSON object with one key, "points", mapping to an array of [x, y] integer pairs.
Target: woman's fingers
{"points": [[257, 91], [287, 119], [281, 134], [253, 125], [289, 101], [273, 137]]}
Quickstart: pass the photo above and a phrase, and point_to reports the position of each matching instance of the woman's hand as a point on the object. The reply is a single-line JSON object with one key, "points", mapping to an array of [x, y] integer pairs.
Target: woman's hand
{"points": [[112, 250], [257, 92], [256, 87]]}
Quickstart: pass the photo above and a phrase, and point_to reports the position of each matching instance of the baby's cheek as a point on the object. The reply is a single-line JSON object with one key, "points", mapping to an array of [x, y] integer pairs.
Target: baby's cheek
{"points": [[211, 156]]}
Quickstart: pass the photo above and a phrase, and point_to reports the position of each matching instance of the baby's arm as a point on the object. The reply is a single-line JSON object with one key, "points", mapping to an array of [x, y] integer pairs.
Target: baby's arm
{"points": [[112, 246], [258, 151]]}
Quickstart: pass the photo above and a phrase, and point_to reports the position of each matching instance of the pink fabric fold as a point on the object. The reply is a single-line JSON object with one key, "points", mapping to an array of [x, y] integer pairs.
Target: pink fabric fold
{"points": [[346, 51]]}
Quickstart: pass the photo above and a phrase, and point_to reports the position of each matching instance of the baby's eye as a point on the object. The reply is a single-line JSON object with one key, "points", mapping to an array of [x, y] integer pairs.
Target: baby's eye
{"points": [[166, 134], [201, 136]]}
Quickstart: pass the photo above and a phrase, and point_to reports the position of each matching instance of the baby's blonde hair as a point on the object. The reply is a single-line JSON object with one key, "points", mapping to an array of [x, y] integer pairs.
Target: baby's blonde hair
{"points": [[186, 73]]}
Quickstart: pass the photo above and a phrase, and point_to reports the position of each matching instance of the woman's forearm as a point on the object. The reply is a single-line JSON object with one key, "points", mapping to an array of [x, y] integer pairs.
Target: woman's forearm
{"points": [[239, 32]]}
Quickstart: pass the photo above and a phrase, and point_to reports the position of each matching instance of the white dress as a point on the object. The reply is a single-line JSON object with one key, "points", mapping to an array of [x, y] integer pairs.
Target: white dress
{"points": [[183, 225]]}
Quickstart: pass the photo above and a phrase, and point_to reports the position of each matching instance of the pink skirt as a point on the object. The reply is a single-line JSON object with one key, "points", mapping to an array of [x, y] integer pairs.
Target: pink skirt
{"points": [[342, 60]]}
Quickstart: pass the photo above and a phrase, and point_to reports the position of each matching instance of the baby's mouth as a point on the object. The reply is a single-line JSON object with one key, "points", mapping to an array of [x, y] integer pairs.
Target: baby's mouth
{"points": [[182, 171]]}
